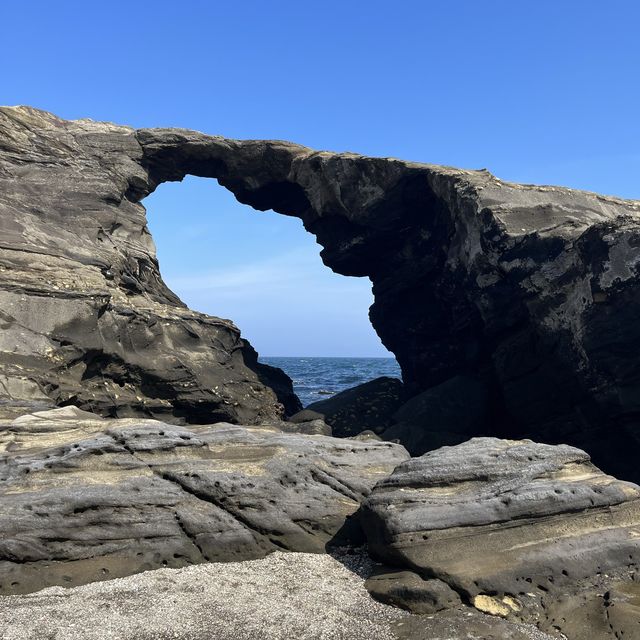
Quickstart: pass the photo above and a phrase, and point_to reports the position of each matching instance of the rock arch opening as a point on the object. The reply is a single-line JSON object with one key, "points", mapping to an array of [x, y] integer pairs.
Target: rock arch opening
{"points": [[263, 272], [476, 284]]}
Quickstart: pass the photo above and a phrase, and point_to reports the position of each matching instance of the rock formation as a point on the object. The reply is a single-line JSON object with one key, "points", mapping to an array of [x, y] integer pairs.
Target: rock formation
{"points": [[446, 414], [86, 498], [369, 406], [85, 317], [512, 311], [530, 293], [488, 537], [530, 290], [518, 529]]}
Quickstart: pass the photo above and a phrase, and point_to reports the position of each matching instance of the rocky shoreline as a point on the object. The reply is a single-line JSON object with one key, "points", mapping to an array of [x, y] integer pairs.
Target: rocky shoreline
{"points": [[146, 456]]}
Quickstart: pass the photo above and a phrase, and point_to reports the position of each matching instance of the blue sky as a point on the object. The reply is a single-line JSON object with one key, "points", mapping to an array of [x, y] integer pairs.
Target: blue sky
{"points": [[535, 91]]}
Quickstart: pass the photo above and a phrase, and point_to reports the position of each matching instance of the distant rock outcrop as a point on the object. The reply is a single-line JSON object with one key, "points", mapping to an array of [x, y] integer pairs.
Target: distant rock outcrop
{"points": [[367, 407]]}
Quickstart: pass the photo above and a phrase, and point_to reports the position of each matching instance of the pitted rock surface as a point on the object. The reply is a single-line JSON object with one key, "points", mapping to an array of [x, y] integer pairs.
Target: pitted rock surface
{"points": [[86, 498], [514, 527]]}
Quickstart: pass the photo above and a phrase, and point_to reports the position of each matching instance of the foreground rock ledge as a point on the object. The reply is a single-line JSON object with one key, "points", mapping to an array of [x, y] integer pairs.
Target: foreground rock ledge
{"points": [[85, 498], [524, 532]]}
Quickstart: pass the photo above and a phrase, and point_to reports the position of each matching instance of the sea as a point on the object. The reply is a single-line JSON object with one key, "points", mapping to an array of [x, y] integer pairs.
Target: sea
{"points": [[319, 378]]}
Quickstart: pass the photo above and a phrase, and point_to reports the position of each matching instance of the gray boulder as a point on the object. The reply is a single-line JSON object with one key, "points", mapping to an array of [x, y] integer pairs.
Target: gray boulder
{"points": [[408, 590], [512, 526], [316, 427], [305, 415]]}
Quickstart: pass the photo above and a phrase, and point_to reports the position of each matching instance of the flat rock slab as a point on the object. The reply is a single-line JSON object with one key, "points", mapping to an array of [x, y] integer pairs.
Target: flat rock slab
{"points": [[509, 524], [85, 498], [283, 596]]}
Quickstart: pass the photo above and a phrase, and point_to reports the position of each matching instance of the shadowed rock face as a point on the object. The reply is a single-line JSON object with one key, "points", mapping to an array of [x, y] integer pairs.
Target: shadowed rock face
{"points": [[530, 290], [367, 407]]}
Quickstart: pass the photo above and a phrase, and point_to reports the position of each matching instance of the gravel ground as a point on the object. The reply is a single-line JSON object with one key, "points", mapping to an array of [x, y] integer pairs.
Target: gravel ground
{"points": [[284, 596]]}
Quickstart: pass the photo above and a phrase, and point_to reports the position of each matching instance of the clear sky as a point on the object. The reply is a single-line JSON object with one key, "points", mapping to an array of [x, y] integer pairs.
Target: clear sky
{"points": [[534, 90]]}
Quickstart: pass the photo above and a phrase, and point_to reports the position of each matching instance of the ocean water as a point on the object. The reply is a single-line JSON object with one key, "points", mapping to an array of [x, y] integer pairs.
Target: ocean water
{"points": [[319, 378]]}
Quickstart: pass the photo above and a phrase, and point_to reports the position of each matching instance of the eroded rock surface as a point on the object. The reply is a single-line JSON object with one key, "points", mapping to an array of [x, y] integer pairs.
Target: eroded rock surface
{"points": [[532, 291], [408, 590], [514, 527], [86, 498], [85, 317]]}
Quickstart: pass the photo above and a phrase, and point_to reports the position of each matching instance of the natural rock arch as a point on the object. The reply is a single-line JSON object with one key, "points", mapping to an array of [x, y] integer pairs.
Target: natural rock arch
{"points": [[529, 291], [512, 285], [262, 270]]}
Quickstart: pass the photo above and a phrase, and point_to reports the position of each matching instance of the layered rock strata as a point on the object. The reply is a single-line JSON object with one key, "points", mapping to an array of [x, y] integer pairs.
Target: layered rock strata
{"points": [[85, 317], [516, 528], [86, 498]]}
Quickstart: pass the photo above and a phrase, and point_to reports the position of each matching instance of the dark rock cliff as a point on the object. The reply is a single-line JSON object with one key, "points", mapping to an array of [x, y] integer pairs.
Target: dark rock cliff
{"points": [[532, 292]]}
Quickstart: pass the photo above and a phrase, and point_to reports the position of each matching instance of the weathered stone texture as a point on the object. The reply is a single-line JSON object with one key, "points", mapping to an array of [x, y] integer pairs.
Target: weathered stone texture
{"points": [[520, 530], [530, 291], [86, 498]]}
